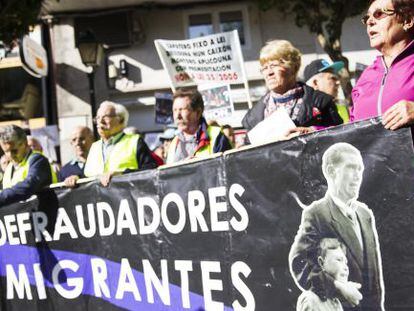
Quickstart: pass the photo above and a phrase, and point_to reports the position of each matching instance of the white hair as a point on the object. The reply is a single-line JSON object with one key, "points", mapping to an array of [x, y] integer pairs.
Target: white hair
{"points": [[120, 110]]}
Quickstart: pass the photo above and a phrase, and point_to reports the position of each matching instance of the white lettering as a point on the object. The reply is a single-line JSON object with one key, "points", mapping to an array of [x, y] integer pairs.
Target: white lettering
{"points": [[76, 283], [237, 268], [63, 225], [126, 282], [209, 284], [146, 225], [102, 209], [11, 227], [23, 226], [125, 219], [39, 225], [40, 283], [176, 199], [20, 283], [238, 225], [152, 281], [184, 266], [87, 233], [99, 275], [216, 208], [196, 206]]}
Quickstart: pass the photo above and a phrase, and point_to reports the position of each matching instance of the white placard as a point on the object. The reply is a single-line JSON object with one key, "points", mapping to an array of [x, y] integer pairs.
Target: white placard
{"points": [[215, 58], [274, 127]]}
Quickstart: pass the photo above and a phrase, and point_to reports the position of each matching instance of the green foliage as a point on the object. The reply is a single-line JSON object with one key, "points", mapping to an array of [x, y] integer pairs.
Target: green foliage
{"points": [[16, 16], [323, 17]]}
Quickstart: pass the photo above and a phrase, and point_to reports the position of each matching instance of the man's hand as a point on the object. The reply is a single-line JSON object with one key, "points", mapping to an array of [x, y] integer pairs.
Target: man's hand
{"points": [[70, 181], [399, 115], [349, 290], [106, 178]]}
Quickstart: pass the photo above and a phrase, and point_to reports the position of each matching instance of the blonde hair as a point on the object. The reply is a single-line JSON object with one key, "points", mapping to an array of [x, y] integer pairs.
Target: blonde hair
{"points": [[283, 51]]}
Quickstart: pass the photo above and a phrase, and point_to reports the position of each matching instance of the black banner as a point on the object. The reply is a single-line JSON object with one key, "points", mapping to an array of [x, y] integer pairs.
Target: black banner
{"points": [[214, 234]]}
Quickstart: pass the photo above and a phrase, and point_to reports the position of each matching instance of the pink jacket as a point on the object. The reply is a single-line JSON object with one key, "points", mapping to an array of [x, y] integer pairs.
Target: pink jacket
{"points": [[379, 87]]}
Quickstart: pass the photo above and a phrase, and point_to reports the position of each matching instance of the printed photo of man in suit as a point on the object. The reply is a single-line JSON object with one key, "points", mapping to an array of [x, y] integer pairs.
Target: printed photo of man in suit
{"points": [[340, 215]]}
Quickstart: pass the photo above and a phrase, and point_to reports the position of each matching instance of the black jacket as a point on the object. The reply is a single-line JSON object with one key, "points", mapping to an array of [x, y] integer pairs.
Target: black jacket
{"points": [[326, 113]]}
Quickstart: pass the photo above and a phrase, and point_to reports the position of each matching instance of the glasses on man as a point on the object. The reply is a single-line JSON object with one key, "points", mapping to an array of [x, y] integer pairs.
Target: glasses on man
{"points": [[271, 66], [105, 118], [378, 14]]}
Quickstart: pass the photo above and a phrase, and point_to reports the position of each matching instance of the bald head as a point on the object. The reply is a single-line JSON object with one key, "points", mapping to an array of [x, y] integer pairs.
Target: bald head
{"points": [[81, 139], [34, 144]]}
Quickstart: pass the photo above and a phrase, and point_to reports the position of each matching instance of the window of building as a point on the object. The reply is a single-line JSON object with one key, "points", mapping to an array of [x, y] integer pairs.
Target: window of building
{"points": [[232, 20], [201, 23]]}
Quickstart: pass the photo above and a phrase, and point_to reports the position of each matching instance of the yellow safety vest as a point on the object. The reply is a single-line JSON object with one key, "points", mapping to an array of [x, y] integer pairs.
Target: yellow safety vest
{"points": [[212, 132], [123, 156], [21, 172]]}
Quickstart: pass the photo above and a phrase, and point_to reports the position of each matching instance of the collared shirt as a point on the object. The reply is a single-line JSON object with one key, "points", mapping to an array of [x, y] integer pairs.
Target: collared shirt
{"points": [[186, 146], [78, 163], [348, 210], [109, 145]]}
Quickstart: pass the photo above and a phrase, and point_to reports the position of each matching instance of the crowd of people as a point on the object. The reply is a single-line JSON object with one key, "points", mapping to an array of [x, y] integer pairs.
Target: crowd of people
{"points": [[386, 88]]}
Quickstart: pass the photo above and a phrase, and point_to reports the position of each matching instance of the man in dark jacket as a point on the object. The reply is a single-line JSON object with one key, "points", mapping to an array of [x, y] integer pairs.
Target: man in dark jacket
{"points": [[340, 215], [81, 140], [28, 171]]}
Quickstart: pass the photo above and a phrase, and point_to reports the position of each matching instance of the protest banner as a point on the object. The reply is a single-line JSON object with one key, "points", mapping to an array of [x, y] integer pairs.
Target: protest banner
{"points": [[217, 101], [214, 58], [209, 235]]}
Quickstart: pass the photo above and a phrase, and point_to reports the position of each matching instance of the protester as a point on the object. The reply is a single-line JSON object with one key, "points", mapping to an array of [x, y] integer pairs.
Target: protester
{"points": [[81, 140], [331, 257], [116, 152], [194, 138], [28, 171], [280, 62], [155, 153], [387, 86], [323, 76], [34, 144], [229, 132]]}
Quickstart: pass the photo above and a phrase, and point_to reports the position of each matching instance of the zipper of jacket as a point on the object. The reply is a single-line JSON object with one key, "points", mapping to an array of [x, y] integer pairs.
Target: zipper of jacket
{"points": [[384, 78]]}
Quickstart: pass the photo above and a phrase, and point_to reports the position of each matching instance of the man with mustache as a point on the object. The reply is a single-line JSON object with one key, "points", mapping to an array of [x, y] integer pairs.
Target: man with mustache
{"points": [[195, 137], [339, 215], [28, 172], [116, 152]]}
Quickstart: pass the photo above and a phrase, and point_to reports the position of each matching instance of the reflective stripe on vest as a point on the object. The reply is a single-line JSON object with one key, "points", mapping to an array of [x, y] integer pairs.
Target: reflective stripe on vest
{"points": [[21, 172], [212, 132], [123, 156]]}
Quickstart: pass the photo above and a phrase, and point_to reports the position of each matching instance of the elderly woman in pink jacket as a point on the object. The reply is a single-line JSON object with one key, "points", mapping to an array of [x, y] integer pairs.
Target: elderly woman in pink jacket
{"points": [[387, 86]]}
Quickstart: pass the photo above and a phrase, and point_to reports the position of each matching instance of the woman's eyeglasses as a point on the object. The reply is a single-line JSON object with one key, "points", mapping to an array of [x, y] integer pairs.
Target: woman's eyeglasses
{"points": [[378, 14], [272, 65]]}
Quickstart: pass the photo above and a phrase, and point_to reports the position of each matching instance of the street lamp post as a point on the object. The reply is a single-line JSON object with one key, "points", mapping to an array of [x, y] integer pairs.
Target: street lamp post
{"points": [[91, 53]]}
